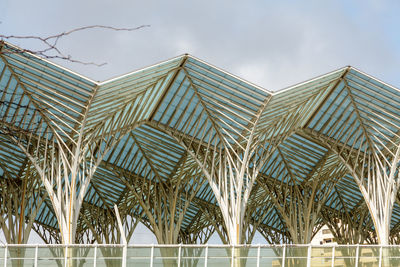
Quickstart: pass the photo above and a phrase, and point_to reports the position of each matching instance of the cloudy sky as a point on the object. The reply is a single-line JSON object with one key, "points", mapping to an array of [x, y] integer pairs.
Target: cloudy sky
{"points": [[273, 44]]}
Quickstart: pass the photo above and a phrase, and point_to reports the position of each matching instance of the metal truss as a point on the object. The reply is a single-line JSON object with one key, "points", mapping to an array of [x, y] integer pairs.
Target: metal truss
{"points": [[190, 150], [21, 200]]}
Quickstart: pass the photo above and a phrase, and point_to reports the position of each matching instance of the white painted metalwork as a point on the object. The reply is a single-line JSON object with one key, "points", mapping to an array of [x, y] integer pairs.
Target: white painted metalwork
{"points": [[179, 255], [258, 255], [189, 149], [5, 256], [206, 257], [124, 241], [99, 261], [66, 255], [95, 257], [232, 256], [309, 256], [152, 256], [357, 255]]}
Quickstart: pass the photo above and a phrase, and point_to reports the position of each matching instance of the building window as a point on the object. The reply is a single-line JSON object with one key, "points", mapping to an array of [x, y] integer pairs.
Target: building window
{"points": [[326, 231]]}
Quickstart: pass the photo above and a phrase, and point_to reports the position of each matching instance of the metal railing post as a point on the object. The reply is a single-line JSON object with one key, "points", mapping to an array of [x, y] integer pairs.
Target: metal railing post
{"points": [[206, 256], [179, 255], [36, 255], [95, 256], [66, 256], [151, 255], [5, 256], [123, 236], [233, 255], [124, 252], [309, 256], [70, 254], [357, 255]]}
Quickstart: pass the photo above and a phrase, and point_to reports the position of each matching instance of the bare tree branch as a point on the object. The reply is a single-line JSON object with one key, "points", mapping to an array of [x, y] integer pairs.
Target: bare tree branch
{"points": [[50, 43]]}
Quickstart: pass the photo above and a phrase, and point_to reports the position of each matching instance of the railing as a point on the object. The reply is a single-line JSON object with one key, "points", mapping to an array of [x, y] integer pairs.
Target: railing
{"points": [[200, 255]]}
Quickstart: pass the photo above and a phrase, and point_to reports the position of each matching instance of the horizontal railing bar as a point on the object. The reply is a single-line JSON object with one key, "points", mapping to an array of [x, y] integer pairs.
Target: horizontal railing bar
{"points": [[191, 245]]}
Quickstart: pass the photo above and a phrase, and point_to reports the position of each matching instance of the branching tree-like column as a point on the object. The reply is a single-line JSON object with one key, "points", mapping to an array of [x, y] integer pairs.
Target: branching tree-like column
{"points": [[348, 225], [65, 173], [230, 168], [47, 138], [99, 224], [21, 199], [365, 136], [164, 201], [67, 126], [375, 168], [298, 201], [232, 133]]}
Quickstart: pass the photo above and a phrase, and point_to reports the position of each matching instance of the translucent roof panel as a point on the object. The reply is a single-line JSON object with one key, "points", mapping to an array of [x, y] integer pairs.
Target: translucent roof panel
{"points": [[165, 125]]}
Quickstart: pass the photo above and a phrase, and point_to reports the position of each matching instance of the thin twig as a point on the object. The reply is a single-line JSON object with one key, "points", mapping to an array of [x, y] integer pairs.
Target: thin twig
{"points": [[50, 42]]}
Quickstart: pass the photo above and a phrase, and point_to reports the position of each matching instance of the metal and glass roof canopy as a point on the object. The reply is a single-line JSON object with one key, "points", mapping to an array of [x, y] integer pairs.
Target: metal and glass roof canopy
{"points": [[162, 143]]}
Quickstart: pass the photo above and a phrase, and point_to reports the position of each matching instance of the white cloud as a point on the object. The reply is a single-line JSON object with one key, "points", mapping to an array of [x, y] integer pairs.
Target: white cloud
{"points": [[270, 43]]}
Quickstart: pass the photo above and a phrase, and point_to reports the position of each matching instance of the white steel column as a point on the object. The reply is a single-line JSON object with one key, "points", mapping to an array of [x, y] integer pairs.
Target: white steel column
{"points": [[123, 237], [233, 255], [377, 179], [36, 255], [232, 166], [95, 256], [5, 256], [179, 255], [309, 255], [206, 257], [357, 255], [367, 142], [152, 256], [66, 256]]}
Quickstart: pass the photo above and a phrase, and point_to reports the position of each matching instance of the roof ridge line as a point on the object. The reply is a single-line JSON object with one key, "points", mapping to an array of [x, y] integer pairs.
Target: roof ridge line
{"points": [[291, 87], [141, 69], [231, 74], [50, 62]]}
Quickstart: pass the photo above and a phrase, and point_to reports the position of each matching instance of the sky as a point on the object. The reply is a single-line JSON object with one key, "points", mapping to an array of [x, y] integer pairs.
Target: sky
{"points": [[273, 44]]}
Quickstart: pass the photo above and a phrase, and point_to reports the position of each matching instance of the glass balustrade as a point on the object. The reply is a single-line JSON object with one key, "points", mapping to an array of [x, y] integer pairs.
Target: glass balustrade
{"points": [[200, 255]]}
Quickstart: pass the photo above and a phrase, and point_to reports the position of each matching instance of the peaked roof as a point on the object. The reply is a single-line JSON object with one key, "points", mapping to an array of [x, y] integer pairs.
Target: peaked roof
{"points": [[344, 109]]}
